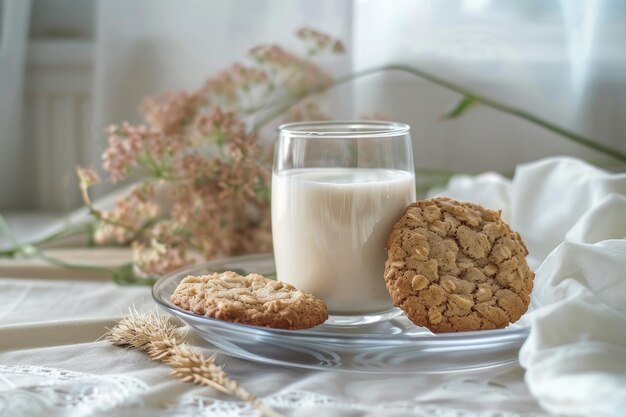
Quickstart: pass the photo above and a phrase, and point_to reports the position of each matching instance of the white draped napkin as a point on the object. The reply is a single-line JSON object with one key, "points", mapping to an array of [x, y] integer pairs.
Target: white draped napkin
{"points": [[572, 217]]}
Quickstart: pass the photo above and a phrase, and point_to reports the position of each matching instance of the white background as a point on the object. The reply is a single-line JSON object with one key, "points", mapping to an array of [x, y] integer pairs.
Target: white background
{"points": [[90, 63]]}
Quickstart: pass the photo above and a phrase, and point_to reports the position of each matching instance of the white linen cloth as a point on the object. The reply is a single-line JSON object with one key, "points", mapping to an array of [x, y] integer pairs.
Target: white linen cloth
{"points": [[51, 362], [572, 217]]}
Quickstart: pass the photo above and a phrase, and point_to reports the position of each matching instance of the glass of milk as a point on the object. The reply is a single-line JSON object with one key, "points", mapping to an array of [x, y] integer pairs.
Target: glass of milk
{"points": [[337, 190]]}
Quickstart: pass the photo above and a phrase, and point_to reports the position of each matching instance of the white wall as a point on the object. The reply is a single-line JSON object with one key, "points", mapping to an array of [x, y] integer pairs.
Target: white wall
{"points": [[90, 63]]}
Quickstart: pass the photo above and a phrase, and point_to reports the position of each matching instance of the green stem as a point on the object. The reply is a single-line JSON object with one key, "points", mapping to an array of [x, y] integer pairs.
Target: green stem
{"points": [[122, 275], [69, 230], [157, 170], [574, 137], [6, 231], [98, 215], [71, 265]]}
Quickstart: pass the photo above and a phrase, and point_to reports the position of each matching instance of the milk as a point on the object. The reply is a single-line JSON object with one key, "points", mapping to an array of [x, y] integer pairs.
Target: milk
{"points": [[330, 227]]}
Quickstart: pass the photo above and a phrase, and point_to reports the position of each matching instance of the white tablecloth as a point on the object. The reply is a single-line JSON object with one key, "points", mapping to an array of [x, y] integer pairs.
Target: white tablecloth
{"points": [[52, 363]]}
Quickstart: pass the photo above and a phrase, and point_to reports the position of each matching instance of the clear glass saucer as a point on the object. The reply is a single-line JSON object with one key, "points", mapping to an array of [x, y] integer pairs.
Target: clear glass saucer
{"points": [[394, 345], [344, 320]]}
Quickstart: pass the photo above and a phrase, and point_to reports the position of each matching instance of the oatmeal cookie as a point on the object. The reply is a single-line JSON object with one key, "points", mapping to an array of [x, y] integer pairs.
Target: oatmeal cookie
{"points": [[252, 299], [456, 266]]}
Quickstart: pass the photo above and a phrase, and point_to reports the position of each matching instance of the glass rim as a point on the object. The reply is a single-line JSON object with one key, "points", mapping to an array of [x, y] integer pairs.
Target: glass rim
{"points": [[341, 129]]}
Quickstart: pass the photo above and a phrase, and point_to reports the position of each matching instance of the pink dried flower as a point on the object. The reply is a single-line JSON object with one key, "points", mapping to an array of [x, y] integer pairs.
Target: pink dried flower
{"points": [[143, 192], [156, 258], [121, 224], [133, 146], [338, 47], [319, 41], [219, 125], [229, 85], [298, 75], [307, 111], [227, 131], [171, 111], [220, 207], [87, 177], [170, 233], [125, 145], [274, 55], [207, 187]]}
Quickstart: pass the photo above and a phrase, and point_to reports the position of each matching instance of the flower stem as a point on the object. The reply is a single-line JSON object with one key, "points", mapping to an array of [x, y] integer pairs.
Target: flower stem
{"points": [[69, 230], [71, 265], [572, 136], [6, 231]]}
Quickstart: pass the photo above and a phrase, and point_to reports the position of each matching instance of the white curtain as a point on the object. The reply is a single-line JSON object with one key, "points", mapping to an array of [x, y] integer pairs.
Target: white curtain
{"points": [[562, 60], [14, 18]]}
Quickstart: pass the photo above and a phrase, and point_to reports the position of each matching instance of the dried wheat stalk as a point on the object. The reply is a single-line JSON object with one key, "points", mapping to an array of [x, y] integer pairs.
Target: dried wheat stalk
{"points": [[165, 342]]}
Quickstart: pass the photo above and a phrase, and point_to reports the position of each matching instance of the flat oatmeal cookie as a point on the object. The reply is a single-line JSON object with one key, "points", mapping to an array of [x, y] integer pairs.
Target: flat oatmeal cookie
{"points": [[456, 266], [252, 299]]}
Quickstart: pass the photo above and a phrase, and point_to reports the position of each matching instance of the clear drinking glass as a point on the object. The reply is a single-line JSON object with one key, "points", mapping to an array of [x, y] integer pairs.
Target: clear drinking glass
{"points": [[337, 190]]}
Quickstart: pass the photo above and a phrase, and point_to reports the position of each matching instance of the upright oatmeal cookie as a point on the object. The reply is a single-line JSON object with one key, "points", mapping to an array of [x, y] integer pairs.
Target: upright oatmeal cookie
{"points": [[252, 299], [456, 266]]}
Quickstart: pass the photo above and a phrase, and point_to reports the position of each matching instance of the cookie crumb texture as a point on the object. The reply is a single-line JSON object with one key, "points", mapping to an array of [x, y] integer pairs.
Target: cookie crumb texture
{"points": [[456, 266], [252, 299]]}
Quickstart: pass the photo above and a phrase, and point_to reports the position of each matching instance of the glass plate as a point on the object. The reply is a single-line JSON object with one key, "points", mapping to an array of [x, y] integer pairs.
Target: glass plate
{"points": [[393, 346]]}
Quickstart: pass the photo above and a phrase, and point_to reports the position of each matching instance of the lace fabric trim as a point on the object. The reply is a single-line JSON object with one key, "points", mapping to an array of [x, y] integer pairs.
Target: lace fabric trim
{"points": [[26, 389], [37, 390], [199, 406]]}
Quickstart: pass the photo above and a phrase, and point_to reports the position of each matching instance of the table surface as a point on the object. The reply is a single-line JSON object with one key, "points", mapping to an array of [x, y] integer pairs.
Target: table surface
{"points": [[52, 361]]}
